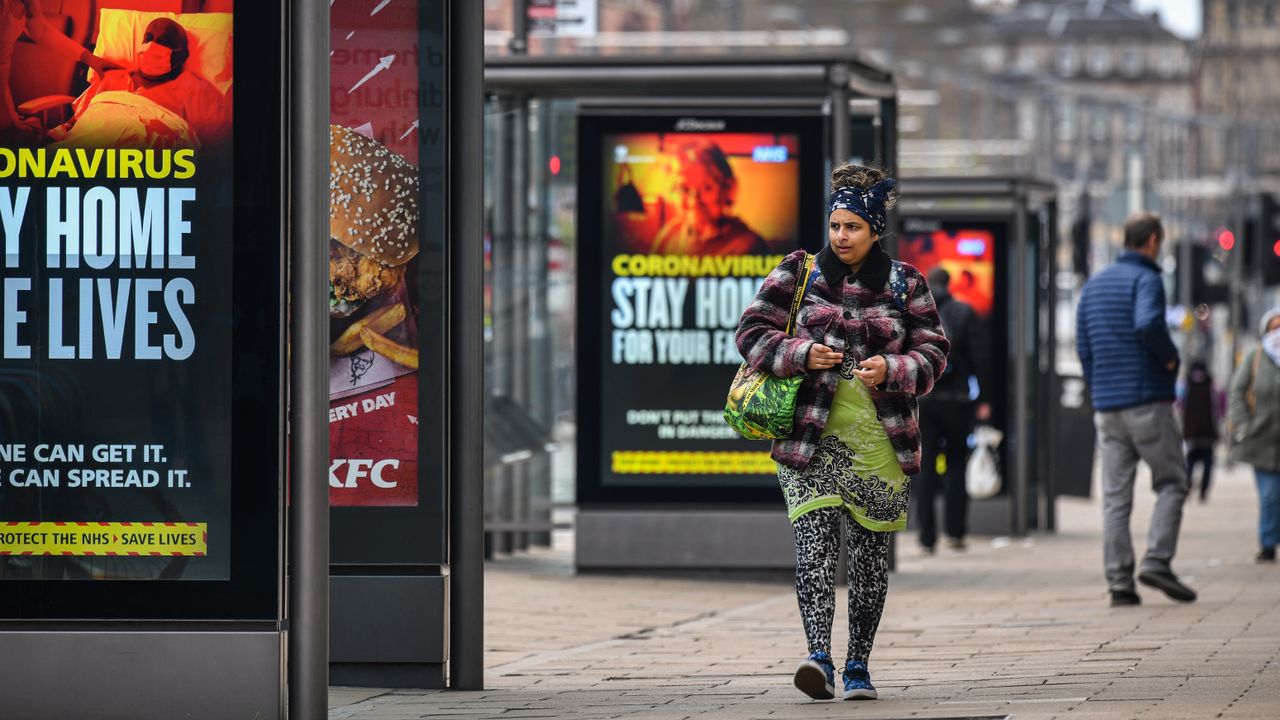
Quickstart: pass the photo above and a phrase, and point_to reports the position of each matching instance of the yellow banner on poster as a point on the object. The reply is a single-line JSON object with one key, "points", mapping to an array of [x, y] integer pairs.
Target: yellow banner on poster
{"points": [[122, 539], [657, 462]]}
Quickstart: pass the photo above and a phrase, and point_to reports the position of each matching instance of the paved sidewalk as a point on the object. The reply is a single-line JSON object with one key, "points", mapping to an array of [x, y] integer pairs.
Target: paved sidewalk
{"points": [[1018, 629]]}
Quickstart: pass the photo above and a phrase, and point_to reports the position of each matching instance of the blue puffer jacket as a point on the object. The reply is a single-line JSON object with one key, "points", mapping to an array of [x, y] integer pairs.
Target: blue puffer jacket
{"points": [[1122, 338]]}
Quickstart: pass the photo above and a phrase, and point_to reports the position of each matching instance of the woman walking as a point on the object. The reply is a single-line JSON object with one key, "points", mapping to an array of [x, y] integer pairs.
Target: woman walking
{"points": [[869, 342], [1255, 429], [1201, 409]]}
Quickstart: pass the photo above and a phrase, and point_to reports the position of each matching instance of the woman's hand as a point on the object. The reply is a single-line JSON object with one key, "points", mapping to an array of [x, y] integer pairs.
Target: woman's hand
{"points": [[872, 371], [822, 357]]}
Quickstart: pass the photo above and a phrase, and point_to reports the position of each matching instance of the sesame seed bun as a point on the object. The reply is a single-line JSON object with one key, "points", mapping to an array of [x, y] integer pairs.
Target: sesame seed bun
{"points": [[373, 198]]}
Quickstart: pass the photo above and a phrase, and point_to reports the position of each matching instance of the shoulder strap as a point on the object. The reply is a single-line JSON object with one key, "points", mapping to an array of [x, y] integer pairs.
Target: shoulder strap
{"points": [[898, 285], [1250, 394], [806, 277]]}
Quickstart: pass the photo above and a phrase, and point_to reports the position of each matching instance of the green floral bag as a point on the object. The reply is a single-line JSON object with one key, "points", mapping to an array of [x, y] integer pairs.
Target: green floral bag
{"points": [[761, 406]]}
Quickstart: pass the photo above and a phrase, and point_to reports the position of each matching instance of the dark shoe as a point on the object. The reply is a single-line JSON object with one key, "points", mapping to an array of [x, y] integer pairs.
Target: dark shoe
{"points": [[928, 550], [956, 544], [1167, 583], [857, 682], [1266, 555], [1121, 598], [816, 677]]}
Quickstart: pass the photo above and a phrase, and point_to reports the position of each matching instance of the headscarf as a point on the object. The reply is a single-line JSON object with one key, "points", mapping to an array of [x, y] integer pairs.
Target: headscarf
{"points": [[1271, 340], [866, 203]]}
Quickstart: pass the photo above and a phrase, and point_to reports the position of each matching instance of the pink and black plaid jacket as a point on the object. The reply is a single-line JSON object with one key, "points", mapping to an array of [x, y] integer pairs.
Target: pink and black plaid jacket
{"points": [[861, 315]]}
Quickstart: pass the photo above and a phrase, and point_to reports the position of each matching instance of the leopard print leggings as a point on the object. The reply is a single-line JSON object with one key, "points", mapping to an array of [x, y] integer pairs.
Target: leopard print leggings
{"points": [[817, 548]]}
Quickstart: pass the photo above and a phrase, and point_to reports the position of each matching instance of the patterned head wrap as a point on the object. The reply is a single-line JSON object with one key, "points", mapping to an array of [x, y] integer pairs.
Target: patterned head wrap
{"points": [[866, 203]]}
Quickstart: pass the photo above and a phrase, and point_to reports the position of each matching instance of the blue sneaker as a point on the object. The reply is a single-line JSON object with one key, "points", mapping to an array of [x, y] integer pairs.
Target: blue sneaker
{"points": [[857, 681], [816, 677]]}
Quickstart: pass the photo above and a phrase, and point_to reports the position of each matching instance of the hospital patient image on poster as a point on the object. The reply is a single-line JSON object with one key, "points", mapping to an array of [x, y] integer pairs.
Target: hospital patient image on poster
{"points": [[143, 80], [703, 193]]}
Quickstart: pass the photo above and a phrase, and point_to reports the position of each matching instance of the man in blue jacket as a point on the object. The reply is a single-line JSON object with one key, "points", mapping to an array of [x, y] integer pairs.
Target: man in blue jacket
{"points": [[1130, 363]]}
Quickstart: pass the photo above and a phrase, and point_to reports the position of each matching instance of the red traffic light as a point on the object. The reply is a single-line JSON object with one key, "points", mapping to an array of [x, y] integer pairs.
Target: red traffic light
{"points": [[554, 165], [1226, 239], [1275, 249]]}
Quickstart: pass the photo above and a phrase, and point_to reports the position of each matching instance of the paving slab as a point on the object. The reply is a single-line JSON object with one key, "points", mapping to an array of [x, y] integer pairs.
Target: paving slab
{"points": [[1017, 628]]}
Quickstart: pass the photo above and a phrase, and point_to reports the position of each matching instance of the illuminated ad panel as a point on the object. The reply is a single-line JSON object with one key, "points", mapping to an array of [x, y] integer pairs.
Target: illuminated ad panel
{"points": [[374, 227], [690, 216], [966, 251], [117, 200]]}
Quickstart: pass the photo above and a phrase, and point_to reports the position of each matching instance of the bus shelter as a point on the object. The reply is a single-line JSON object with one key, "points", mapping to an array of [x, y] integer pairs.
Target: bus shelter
{"points": [[661, 483], [997, 239]]}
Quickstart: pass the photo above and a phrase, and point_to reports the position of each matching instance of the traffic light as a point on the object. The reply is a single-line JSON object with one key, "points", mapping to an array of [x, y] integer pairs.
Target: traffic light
{"points": [[1208, 275], [1226, 239], [1261, 244], [1268, 247]]}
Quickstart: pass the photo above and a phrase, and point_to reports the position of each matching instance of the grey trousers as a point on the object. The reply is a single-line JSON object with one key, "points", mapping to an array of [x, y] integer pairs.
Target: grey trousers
{"points": [[1149, 433]]}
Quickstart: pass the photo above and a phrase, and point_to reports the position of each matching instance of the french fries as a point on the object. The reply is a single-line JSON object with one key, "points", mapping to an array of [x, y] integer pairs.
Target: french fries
{"points": [[389, 348], [379, 321]]}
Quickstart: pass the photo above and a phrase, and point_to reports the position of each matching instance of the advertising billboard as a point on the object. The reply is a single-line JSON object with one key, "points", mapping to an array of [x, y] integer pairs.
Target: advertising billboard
{"points": [[373, 255], [387, 281], [139, 413], [681, 218], [973, 252], [967, 251]]}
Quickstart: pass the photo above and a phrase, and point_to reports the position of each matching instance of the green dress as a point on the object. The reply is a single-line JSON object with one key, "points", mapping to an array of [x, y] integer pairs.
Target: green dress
{"points": [[854, 466]]}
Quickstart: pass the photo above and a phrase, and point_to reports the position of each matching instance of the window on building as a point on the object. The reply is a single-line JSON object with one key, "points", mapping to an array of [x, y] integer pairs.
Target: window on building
{"points": [[1068, 60], [1099, 61], [1027, 60], [1099, 124], [1066, 121], [992, 58], [1168, 64], [1134, 125], [1133, 61]]}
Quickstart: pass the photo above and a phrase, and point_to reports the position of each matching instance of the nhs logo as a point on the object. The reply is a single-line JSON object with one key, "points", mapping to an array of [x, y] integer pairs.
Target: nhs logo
{"points": [[769, 153], [971, 247]]}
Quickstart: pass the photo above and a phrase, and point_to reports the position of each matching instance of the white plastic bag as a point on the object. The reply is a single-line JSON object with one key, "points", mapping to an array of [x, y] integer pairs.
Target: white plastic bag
{"points": [[982, 473]]}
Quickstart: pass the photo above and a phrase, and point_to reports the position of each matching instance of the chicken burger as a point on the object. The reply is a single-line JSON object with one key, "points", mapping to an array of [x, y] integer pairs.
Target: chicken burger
{"points": [[373, 220]]}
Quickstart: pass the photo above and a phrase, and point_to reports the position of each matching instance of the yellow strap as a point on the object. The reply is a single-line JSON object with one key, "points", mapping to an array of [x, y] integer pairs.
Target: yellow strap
{"points": [[799, 296]]}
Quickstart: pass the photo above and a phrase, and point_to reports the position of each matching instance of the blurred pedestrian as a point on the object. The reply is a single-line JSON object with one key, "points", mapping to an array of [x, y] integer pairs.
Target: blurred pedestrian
{"points": [[1201, 414], [1255, 428], [1130, 363], [947, 416], [868, 341]]}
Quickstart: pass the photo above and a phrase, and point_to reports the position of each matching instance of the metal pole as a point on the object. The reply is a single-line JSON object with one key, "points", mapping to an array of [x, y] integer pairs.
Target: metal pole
{"points": [[838, 75], [541, 371], [519, 44], [501, 491], [1021, 379], [466, 346], [519, 357], [309, 360]]}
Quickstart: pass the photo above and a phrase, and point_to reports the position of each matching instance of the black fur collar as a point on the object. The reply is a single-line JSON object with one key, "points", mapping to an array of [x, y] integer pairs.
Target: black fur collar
{"points": [[873, 274]]}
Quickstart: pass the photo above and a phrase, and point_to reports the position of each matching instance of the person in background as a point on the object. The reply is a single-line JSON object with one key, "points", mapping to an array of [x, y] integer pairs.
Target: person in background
{"points": [[868, 343], [947, 416], [19, 17], [1254, 412], [1130, 364], [1201, 413]]}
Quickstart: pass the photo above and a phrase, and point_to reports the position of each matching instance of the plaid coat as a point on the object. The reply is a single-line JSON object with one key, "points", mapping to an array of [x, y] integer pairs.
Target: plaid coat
{"points": [[856, 315]]}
